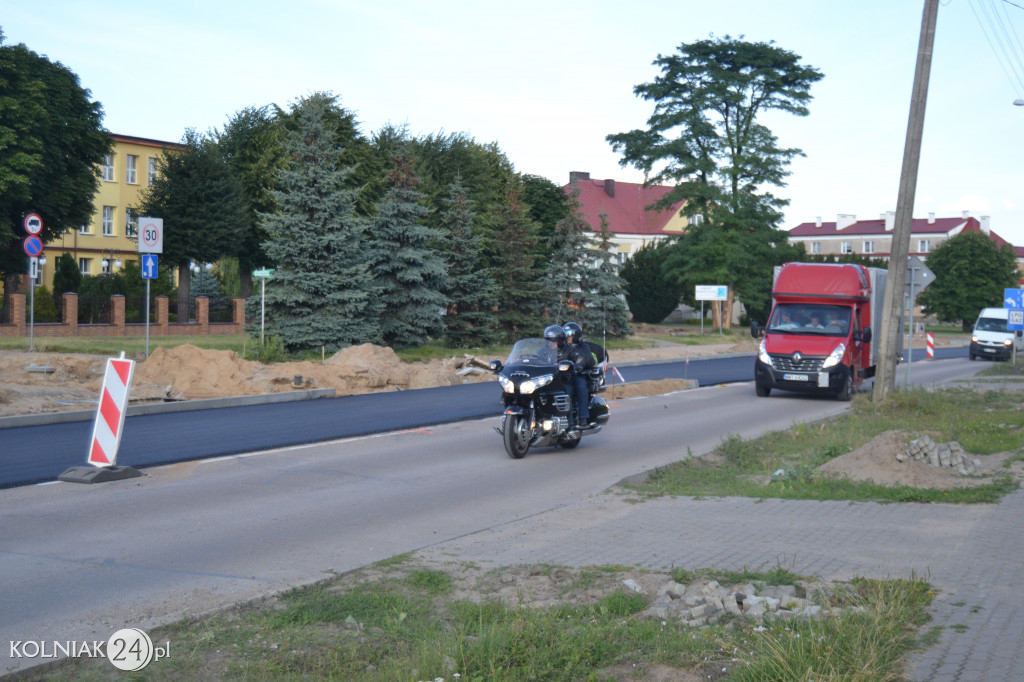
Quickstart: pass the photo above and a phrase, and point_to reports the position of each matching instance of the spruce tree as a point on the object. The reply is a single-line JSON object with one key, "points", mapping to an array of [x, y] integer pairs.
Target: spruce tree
{"points": [[411, 274], [568, 275], [322, 294], [520, 281], [472, 292], [607, 312]]}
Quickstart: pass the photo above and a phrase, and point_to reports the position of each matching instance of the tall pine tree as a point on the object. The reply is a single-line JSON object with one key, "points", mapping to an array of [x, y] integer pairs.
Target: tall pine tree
{"points": [[520, 281], [471, 289], [607, 309], [322, 294], [410, 273], [568, 275]]}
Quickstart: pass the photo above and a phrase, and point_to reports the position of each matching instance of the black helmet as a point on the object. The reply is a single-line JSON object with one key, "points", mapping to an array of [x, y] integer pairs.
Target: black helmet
{"points": [[574, 330], [556, 334]]}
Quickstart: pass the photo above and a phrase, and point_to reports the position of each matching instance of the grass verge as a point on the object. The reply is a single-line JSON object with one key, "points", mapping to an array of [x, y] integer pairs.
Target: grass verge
{"points": [[398, 621]]}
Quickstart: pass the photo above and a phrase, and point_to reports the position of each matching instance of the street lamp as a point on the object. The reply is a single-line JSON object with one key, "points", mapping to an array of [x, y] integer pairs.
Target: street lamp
{"points": [[1018, 102], [194, 267], [107, 261]]}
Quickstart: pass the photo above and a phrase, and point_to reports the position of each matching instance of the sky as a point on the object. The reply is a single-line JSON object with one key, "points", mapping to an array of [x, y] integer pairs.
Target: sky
{"points": [[548, 81]]}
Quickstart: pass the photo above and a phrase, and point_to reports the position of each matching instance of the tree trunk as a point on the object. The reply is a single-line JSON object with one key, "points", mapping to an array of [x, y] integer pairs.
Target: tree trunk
{"points": [[245, 279], [184, 289]]}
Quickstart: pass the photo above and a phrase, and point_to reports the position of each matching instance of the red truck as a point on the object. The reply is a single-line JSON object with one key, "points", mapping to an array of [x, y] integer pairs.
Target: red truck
{"points": [[818, 337]]}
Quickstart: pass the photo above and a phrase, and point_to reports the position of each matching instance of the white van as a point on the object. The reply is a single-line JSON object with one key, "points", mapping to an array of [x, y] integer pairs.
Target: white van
{"points": [[991, 338]]}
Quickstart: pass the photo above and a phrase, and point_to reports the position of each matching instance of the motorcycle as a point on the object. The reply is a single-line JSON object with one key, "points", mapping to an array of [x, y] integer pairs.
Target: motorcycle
{"points": [[538, 410]]}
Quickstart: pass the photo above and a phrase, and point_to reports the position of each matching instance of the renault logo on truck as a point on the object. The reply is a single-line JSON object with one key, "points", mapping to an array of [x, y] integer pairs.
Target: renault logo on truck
{"points": [[797, 356]]}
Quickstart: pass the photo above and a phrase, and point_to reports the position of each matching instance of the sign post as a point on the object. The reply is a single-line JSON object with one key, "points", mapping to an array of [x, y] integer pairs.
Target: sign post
{"points": [[711, 292], [1013, 301], [151, 241], [919, 276], [33, 247], [263, 274], [108, 428]]}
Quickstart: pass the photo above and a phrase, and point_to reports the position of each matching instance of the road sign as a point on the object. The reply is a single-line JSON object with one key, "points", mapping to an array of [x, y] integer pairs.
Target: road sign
{"points": [[151, 235], [33, 224], [33, 268], [149, 266], [1013, 298], [1015, 319], [109, 424], [712, 292], [263, 273], [33, 246], [919, 275]]}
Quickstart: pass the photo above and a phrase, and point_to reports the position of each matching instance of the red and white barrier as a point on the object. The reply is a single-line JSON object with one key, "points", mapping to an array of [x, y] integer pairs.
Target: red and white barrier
{"points": [[109, 425], [931, 345]]}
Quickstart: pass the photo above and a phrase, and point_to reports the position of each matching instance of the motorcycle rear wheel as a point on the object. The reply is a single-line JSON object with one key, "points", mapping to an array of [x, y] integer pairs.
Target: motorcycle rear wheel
{"points": [[517, 435]]}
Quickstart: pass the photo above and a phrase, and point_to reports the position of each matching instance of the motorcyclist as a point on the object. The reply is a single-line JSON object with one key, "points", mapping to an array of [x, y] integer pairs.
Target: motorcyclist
{"points": [[556, 346], [581, 356]]}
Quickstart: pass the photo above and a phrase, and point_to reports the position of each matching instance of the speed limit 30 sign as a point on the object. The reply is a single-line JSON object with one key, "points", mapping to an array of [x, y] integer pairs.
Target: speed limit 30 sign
{"points": [[151, 235]]}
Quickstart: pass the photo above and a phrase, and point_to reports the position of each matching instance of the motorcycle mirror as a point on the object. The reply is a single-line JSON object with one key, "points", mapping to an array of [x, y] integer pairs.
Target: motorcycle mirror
{"points": [[566, 366], [495, 365]]}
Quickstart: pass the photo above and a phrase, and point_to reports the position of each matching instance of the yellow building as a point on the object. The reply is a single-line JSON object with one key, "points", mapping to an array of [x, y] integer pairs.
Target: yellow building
{"points": [[108, 241]]}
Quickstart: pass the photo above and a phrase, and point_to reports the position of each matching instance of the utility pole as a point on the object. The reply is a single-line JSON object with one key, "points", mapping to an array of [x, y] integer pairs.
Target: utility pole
{"points": [[889, 336]]}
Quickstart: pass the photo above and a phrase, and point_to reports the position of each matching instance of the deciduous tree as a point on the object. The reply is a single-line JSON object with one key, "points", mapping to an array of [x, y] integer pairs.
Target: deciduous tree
{"points": [[51, 145]]}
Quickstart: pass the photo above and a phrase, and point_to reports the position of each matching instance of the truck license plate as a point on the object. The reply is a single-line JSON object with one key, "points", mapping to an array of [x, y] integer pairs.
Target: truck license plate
{"points": [[795, 377]]}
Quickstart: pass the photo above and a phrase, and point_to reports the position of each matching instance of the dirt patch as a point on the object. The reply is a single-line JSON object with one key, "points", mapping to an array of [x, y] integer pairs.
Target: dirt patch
{"points": [[877, 461]]}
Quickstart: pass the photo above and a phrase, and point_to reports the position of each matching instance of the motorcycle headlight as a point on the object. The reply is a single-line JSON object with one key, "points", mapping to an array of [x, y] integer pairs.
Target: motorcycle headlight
{"points": [[762, 354], [835, 357], [506, 384], [531, 385]]}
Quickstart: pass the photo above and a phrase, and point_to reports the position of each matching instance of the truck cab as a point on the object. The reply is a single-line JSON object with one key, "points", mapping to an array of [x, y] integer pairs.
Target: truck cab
{"points": [[818, 336]]}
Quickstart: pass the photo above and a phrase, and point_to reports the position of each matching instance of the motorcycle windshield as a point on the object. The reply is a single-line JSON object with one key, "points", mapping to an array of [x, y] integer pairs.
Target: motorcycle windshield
{"points": [[532, 352]]}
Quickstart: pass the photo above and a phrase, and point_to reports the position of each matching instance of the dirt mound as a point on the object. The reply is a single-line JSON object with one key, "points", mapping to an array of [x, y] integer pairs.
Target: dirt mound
{"points": [[876, 461]]}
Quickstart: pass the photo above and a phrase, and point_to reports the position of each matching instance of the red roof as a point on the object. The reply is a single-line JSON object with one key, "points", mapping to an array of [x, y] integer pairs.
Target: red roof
{"points": [[625, 203], [862, 228]]}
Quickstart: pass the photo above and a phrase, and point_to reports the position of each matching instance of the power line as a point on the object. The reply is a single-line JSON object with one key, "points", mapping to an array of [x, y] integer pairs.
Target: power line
{"points": [[1006, 55]]}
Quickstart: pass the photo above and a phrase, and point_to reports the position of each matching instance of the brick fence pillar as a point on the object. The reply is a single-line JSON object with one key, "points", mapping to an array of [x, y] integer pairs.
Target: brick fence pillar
{"points": [[69, 314], [117, 314], [238, 314], [203, 314], [18, 314], [161, 314]]}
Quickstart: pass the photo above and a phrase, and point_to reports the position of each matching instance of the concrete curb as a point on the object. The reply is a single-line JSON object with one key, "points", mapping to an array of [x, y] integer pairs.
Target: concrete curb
{"points": [[163, 408]]}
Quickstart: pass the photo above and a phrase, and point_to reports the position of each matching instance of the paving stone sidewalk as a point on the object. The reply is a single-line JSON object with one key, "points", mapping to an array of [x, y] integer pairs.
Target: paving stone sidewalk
{"points": [[970, 553]]}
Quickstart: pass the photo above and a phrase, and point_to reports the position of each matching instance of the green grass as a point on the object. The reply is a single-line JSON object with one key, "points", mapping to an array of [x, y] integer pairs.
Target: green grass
{"points": [[984, 423], [389, 622]]}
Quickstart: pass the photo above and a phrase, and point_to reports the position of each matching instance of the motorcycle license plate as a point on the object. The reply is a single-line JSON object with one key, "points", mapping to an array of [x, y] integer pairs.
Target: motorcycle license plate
{"points": [[795, 377]]}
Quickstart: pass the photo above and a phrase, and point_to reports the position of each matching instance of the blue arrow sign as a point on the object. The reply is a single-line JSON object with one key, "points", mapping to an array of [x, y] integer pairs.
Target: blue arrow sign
{"points": [[1013, 298], [149, 266]]}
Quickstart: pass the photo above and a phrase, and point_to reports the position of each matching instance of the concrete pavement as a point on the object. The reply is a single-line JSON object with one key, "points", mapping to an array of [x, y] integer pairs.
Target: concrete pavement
{"points": [[969, 553]]}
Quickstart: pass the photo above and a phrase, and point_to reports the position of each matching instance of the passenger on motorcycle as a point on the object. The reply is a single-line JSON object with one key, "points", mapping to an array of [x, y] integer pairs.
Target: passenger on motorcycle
{"points": [[581, 356]]}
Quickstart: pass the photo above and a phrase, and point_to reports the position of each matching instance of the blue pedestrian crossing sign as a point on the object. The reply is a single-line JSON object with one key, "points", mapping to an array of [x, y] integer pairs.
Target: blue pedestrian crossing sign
{"points": [[149, 266]]}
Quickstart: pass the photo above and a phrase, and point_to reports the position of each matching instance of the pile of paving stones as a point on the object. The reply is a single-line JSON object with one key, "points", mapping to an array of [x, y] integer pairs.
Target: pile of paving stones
{"points": [[949, 455], [705, 601]]}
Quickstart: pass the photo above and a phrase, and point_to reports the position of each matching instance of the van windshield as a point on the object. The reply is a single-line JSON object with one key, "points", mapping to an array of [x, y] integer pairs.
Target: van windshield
{"points": [[990, 324], [802, 318]]}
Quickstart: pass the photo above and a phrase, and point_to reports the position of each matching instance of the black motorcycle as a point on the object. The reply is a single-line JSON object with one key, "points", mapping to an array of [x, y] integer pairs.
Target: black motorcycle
{"points": [[538, 409]]}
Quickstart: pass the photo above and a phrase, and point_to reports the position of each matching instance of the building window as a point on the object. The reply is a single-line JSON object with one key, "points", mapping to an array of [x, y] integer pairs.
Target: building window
{"points": [[152, 171], [845, 248], [131, 169], [924, 245], [85, 229], [869, 247], [85, 266], [108, 167], [695, 220], [816, 248], [108, 221]]}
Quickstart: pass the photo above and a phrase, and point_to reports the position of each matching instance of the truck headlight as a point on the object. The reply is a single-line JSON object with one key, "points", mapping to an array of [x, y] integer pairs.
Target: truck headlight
{"points": [[762, 354], [531, 385], [835, 357]]}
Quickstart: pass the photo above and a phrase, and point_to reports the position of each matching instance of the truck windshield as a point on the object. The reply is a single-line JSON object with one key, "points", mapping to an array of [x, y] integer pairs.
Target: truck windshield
{"points": [[802, 318]]}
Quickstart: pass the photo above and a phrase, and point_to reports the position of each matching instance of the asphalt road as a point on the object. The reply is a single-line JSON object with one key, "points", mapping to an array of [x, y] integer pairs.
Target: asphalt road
{"points": [[30, 454]]}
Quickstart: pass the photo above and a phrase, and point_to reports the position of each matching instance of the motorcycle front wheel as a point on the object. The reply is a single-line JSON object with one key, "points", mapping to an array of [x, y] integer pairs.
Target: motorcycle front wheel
{"points": [[517, 435]]}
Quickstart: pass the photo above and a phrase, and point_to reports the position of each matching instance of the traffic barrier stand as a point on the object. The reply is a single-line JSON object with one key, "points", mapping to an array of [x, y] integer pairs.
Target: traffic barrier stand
{"points": [[931, 345], [101, 462]]}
